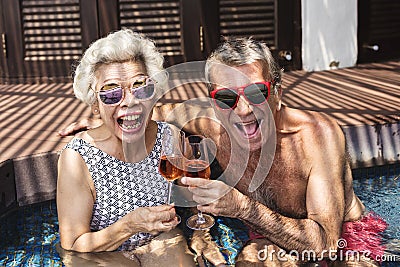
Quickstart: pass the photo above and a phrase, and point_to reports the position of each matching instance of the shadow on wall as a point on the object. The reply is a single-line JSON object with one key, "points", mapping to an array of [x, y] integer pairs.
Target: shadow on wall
{"points": [[373, 145]]}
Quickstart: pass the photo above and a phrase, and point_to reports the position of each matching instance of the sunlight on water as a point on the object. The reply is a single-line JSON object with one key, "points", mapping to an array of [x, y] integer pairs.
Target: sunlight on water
{"points": [[29, 235], [381, 194]]}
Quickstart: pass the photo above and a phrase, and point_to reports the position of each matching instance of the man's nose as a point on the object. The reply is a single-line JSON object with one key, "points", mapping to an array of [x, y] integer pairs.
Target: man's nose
{"points": [[243, 107]]}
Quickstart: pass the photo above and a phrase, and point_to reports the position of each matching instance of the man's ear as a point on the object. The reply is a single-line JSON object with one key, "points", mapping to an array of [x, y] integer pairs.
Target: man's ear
{"points": [[278, 105], [278, 98]]}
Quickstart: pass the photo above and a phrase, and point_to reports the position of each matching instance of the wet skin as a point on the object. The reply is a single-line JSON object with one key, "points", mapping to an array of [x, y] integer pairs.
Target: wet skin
{"points": [[307, 194]]}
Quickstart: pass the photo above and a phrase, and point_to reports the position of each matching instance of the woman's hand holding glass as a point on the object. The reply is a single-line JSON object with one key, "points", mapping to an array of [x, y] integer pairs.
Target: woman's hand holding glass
{"points": [[153, 220], [171, 160]]}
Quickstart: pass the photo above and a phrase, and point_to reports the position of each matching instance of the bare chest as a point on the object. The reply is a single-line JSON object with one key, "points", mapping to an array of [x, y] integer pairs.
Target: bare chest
{"points": [[284, 186], [283, 190]]}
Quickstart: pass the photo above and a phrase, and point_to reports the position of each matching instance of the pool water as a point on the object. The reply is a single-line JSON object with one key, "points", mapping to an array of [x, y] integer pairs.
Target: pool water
{"points": [[379, 190], [29, 234]]}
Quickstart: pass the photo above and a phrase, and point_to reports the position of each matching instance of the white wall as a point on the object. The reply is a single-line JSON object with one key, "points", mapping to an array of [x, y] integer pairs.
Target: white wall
{"points": [[329, 29]]}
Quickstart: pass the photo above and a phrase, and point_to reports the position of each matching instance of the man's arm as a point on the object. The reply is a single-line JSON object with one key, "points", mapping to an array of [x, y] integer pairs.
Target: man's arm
{"points": [[324, 199], [325, 149], [191, 117], [81, 125]]}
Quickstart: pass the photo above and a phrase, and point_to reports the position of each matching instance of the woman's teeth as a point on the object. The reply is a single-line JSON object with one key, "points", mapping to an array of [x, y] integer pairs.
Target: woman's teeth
{"points": [[129, 122]]}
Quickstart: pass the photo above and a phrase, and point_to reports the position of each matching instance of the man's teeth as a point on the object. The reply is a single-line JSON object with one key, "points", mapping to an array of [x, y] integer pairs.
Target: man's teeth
{"points": [[129, 122], [248, 128], [243, 124], [247, 123]]}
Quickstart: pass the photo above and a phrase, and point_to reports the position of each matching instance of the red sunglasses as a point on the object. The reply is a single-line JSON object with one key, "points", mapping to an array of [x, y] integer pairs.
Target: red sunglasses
{"points": [[227, 98]]}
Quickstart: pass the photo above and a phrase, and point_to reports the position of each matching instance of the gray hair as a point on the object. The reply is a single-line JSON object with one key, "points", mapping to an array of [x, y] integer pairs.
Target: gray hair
{"points": [[120, 46], [241, 51]]}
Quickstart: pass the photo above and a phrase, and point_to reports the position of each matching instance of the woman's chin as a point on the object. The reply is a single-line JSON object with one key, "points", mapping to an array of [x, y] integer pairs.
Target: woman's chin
{"points": [[130, 135]]}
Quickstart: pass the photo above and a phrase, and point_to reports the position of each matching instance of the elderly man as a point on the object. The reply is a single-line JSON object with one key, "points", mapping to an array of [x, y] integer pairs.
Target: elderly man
{"points": [[306, 198]]}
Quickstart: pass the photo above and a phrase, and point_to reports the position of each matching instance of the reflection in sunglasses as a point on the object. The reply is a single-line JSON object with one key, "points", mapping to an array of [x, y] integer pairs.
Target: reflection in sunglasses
{"points": [[227, 98], [113, 93]]}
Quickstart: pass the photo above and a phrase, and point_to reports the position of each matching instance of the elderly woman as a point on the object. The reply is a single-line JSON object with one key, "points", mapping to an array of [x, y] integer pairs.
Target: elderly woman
{"points": [[107, 201]]}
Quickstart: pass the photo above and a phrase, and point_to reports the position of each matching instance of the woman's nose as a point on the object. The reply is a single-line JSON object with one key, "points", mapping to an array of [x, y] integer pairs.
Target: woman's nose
{"points": [[129, 100]]}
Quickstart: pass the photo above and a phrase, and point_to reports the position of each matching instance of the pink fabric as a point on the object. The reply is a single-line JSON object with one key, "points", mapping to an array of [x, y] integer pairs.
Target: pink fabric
{"points": [[255, 235], [361, 235], [364, 235]]}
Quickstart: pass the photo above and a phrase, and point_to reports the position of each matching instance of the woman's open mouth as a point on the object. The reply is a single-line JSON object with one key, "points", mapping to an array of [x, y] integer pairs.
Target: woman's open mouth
{"points": [[130, 122]]}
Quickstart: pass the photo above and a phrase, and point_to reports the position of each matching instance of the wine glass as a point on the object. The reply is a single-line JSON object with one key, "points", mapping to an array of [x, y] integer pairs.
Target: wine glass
{"points": [[197, 165], [171, 158]]}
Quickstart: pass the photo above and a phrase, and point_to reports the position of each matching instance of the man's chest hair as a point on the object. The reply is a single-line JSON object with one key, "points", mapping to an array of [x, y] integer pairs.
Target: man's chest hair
{"points": [[283, 189]]}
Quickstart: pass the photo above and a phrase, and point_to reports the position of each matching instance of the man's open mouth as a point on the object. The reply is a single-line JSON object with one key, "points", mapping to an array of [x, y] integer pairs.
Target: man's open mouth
{"points": [[248, 129], [130, 122]]}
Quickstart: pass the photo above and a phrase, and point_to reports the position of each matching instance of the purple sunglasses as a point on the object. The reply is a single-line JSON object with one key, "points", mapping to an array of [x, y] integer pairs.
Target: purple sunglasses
{"points": [[113, 93]]}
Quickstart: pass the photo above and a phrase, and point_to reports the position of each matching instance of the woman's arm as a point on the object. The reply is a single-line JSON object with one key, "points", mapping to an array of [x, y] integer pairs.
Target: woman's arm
{"points": [[75, 200]]}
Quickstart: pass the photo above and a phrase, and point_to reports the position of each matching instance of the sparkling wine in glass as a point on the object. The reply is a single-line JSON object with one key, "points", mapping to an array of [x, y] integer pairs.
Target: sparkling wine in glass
{"points": [[197, 165], [171, 158]]}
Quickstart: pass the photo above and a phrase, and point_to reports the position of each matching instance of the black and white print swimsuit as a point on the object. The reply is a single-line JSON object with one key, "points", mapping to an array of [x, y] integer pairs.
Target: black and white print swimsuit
{"points": [[121, 187]]}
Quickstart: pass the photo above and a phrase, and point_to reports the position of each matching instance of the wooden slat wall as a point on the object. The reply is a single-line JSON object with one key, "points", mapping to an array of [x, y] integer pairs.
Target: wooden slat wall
{"points": [[384, 19], [378, 27], [159, 20], [52, 29], [244, 18]]}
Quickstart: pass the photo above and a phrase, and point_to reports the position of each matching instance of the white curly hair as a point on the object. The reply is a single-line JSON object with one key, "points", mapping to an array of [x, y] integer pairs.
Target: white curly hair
{"points": [[120, 46]]}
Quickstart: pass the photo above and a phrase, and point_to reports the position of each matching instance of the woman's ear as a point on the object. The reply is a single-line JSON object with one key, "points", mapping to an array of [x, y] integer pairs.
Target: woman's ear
{"points": [[95, 109]]}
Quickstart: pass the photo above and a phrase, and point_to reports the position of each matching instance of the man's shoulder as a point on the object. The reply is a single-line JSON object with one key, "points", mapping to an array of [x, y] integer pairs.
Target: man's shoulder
{"points": [[312, 119], [317, 125], [320, 136]]}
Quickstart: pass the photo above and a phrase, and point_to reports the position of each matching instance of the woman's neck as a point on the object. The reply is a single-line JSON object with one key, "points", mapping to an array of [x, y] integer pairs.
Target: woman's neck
{"points": [[140, 149], [129, 152]]}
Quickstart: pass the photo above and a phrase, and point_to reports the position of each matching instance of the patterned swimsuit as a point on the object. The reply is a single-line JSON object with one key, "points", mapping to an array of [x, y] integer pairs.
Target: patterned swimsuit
{"points": [[121, 187]]}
